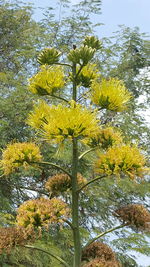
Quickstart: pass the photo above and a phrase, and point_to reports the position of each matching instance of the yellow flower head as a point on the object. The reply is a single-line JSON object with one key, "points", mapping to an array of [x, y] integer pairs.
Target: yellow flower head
{"points": [[105, 138], [60, 183], [47, 80], [110, 94], [88, 74], [56, 123], [19, 154], [42, 212], [122, 159]]}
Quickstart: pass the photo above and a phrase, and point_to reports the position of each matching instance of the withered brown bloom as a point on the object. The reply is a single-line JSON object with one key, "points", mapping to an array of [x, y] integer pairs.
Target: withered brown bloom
{"points": [[61, 182], [13, 236], [98, 250], [136, 215], [98, 262]]}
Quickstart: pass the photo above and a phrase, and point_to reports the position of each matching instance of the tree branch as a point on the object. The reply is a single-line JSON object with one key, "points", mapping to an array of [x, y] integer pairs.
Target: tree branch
{"points": [[91, 181], [49, 253], [104, 233]]}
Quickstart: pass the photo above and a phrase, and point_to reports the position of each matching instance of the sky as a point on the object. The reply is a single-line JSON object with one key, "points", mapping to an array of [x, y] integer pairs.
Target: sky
{"points": [[131, 13]]}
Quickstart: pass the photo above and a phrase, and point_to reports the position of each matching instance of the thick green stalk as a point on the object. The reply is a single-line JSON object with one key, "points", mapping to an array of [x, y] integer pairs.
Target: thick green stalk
{"points": [[75, 195], [75, 207]]}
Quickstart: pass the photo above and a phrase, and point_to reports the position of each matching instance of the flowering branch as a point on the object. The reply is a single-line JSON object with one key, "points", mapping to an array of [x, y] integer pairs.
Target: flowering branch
{"points": [[81, 67], [63, 64], [86, 152], [49, 253], [53, 165], [61, 98], [91, 181], [104, 233]]}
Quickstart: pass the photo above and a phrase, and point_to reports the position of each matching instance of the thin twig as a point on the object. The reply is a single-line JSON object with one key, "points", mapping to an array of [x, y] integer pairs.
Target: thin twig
{"points": [[34, 189]]}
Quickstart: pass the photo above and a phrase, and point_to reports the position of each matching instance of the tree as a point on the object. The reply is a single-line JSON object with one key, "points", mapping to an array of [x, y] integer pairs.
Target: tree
{"points": [[76, 124]]}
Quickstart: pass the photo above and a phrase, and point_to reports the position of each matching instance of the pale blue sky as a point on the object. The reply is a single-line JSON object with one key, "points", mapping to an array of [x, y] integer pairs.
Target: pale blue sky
{"points": [[132, 13], [129, 12]]}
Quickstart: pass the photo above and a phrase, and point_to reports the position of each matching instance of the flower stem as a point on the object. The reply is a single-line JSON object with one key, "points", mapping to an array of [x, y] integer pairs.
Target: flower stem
{"points": [[91, 181], [75, 207], [49, 253], [104, 233], [53, 165], [75, 194]]}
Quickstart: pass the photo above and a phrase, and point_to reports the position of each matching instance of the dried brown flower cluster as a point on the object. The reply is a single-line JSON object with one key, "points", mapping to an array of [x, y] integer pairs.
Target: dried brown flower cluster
{"points": [[98, 250], [60, 183], [42, 212], [135, 215], [13, 236], [100, 255], [102, 263]]}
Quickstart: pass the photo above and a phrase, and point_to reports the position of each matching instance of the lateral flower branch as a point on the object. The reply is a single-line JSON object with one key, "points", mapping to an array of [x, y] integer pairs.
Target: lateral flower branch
{"points": [[79, 126]]}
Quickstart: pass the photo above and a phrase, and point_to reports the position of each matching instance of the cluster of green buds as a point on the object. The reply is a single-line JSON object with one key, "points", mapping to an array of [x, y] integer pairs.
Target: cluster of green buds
{"points": [[93, 42], [81, 55], [85, 53], [48, 56]]}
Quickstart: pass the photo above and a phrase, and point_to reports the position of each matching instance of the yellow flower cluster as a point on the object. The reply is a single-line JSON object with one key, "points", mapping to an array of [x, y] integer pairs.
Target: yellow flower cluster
{"points": [[110, 94], [60, 183], [106, 137], [122, 159], [59, 122], [47, 80], [19, 154], [87, 75], [42, 212]]}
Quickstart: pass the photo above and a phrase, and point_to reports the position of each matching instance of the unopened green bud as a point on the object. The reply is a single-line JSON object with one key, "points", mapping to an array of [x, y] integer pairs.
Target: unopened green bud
{"points": [[93, 42], [81, 55], [48, 56]]}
